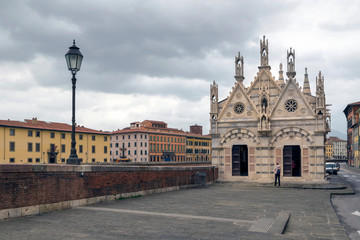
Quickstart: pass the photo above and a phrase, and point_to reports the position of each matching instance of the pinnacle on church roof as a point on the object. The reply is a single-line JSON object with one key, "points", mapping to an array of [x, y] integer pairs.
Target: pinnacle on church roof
{"points": [[281, 76], [306, 88], [291, 63], [264, 52]]}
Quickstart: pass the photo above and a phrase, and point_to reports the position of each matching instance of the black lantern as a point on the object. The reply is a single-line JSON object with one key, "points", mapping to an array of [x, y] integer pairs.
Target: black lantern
{"points": [[73, 59]]}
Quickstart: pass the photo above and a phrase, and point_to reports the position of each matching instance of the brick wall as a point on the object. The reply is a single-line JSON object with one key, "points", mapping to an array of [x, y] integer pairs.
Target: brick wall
{"points": [[30, 185]]}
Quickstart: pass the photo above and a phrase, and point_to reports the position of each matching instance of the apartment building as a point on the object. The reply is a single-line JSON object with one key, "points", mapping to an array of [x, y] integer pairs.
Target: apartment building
{"points": [[39, 142]]}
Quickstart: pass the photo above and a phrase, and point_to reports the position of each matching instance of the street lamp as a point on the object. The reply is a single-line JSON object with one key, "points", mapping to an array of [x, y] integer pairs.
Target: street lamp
{"points": [[73, 59]]}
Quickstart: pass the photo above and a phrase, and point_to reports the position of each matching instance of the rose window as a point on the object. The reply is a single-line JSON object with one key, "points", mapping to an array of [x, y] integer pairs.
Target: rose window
{"points": [[239, 108], [291, 105]]}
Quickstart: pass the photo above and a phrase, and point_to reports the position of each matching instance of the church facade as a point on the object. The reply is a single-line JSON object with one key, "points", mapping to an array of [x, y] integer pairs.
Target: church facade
{"points": [[271, 121]]}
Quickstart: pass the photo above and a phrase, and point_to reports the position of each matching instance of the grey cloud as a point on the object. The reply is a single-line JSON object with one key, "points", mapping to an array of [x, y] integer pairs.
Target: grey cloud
{"points": [[127, 42]]}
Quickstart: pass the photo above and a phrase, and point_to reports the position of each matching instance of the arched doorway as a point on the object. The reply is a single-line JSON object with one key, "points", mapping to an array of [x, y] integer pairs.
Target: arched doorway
{"points": [[240, 160], [292, 161]]}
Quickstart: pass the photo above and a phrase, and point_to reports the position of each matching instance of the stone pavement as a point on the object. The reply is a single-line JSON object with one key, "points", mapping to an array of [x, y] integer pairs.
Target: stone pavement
{"points": [[222, 211]]}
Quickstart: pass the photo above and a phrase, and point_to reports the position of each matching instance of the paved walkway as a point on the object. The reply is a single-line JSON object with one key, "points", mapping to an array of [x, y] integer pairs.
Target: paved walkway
{"points": [[222, 211]]}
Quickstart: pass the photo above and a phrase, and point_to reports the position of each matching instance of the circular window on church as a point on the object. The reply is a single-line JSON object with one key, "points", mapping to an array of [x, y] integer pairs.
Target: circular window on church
{"points": [[239, 108], [291, 105]]}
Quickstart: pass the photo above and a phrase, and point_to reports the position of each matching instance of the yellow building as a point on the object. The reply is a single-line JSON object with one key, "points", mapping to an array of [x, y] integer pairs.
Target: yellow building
{"points": [[39, 142], [198, 147], [329, 150]]}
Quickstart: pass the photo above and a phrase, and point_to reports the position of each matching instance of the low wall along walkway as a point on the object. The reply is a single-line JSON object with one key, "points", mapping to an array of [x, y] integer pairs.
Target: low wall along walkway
{"points": [[34, 189]]}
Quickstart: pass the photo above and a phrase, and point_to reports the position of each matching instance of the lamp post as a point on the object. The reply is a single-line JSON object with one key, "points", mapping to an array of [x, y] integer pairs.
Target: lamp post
{"points": [[73, 59]]}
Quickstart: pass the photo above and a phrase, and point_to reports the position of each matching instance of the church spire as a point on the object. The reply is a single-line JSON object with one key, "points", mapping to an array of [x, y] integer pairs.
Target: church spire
{"points": [[320, 94], [306, 89], [239, 68], [214, 101], [281, 76], [264, 53], [291, 64]]}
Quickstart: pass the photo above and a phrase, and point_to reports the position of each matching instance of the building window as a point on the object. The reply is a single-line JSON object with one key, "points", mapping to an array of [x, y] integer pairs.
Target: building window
{"points": [[80, 148], [12, 146], [110, 137], [128, 144], [93, 137], [29, 160], [30, 133], [135, 136], [140, 144], [63, 160], [52, 147], [110, 145], [105, 149], [145, 136], [30, 147], [37, 133], [37, 160], [12, 160], [141, 152], [93, 160], [12, 132], [63, 135], [129, 152], [117, 153], [116, 144], [140, 136], [145, 144], [52, 135], [128, 136], [123, 137], [105, 139], [93, 149], [105, 159], [37, 147], [134, 152], [80, 137], [145, 152], [134, 144], [63, 148]]}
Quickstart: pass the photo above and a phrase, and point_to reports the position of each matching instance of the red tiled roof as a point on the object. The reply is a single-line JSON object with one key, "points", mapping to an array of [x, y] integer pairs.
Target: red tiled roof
{"points": [[197, 135], [36, 124], [335, 139], [147, 130], [129, 130], [153, 121]]}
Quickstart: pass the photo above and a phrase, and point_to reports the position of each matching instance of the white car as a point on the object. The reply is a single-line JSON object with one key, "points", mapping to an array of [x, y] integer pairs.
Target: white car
{"points": [[331, 168]]}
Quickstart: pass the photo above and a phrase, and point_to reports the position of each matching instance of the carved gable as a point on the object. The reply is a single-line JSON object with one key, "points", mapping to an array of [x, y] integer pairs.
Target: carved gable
{"points": [[238, 105], [291, 103], [264, 84]]}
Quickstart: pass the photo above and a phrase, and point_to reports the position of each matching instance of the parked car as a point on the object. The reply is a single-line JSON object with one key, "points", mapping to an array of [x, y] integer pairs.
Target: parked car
{"points": [[331, 168]]}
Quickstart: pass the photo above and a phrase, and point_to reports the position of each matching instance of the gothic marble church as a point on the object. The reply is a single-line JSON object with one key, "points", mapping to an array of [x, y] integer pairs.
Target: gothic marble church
{"points": [[271, 121]]}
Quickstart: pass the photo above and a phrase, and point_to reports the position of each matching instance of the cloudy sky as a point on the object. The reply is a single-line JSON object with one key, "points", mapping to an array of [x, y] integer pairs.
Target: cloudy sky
{"points": [[156, 59]]}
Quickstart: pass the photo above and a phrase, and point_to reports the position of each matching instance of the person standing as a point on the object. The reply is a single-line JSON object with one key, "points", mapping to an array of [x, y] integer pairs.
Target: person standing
{"points": [[277, 173]]}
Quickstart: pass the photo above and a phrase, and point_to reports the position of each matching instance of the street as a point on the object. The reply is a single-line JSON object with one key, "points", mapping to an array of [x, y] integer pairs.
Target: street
{"points": [[222, 211], [348, 206]]}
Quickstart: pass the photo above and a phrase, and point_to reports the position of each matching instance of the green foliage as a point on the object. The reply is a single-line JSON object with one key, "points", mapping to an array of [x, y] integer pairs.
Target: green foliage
{"points": [[123, 198]]}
